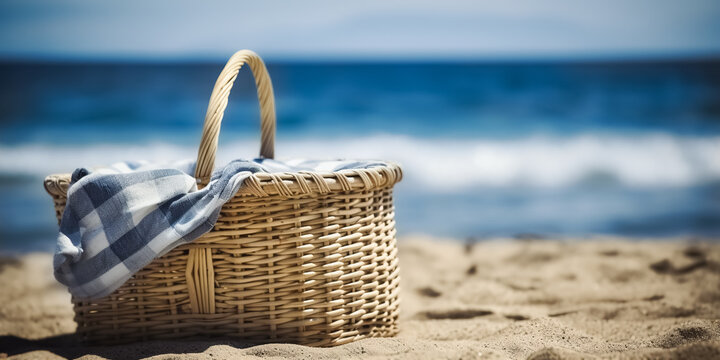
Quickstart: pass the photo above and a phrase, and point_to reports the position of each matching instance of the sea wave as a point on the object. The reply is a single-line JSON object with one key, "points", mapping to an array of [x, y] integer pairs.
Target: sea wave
{"points": [[644, 160]]}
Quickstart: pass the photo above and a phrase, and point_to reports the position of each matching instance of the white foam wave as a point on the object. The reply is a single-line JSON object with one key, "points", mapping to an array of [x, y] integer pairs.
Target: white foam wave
{"points": [[641, 160]]}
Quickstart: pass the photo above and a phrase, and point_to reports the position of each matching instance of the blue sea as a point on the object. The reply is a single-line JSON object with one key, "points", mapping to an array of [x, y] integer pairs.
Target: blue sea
{"points": [[568, 149]]}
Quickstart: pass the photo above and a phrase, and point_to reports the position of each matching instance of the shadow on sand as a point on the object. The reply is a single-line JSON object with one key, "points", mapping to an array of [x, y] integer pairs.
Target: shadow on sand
{"points": [[69, 346]]}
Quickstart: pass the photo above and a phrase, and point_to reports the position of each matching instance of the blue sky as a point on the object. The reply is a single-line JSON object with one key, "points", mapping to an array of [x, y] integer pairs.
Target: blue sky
{"points": [[163, 29]]}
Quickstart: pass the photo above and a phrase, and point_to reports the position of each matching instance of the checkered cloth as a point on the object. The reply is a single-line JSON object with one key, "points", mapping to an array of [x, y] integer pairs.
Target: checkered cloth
{"points": [[118, 219]]}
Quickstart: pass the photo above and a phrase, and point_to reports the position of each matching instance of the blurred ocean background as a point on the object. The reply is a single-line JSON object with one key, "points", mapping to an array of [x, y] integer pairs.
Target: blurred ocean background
{"points": [[521, 148]]}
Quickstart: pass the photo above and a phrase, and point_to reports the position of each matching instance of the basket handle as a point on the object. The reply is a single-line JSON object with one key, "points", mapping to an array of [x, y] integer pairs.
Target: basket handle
{"points": [[218, 103]]}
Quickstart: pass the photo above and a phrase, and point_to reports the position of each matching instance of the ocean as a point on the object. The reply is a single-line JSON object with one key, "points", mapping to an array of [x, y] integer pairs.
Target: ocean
{"points": [[540, 149]]}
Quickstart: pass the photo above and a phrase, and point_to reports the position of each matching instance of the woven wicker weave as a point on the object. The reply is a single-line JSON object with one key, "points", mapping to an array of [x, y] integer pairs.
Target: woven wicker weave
{"points": [[308, 258]]}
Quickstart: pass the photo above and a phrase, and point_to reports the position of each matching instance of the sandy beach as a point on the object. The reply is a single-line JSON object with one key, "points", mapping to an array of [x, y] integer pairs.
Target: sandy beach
{"points": [[516, 299]]}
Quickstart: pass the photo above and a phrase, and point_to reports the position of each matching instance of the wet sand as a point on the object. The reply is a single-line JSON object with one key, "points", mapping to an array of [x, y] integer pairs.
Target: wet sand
{"points": [[516, 299]]}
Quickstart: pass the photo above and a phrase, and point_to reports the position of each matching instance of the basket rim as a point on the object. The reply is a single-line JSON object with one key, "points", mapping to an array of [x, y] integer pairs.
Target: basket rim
{"points": [[288, 183]]}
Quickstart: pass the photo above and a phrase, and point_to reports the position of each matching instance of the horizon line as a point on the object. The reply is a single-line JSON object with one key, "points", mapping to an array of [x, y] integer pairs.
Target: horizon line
{"points": [[605, 57]]}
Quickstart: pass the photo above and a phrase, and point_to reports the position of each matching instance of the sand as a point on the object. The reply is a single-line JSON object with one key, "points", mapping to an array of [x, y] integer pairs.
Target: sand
{"points": [[516, 299]]}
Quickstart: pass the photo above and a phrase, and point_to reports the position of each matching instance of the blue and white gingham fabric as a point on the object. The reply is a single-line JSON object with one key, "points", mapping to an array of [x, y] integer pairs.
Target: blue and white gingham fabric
{"points": [[118, 219]]}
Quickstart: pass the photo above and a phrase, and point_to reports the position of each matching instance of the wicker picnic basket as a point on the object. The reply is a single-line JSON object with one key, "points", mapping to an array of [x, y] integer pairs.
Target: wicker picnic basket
{"points": [[305, 257]]}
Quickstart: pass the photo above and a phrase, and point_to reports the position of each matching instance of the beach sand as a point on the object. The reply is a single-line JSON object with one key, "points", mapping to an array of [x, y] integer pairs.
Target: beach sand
{"points": [[514, 299]]}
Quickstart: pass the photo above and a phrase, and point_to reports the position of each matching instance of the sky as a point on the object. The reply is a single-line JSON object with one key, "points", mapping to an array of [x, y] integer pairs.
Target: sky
{"points": [[210, 30]]}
